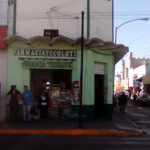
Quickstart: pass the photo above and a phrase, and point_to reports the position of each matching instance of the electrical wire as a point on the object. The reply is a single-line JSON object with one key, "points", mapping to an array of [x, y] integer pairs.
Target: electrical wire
{"points": [[141, 36], [139, 50], [105, 12], [106, 15], [63, 5], [98, 52], [57, 17], [141, 53]]}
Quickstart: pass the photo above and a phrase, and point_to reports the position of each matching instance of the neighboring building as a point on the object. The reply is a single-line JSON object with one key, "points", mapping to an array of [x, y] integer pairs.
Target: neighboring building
{"points": [[117, 83], [46, 49], [133, 70], [3, 56]]}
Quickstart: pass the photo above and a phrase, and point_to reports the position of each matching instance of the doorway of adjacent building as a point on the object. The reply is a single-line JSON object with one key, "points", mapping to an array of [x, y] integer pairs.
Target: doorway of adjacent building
{"points": [[99, 95]]}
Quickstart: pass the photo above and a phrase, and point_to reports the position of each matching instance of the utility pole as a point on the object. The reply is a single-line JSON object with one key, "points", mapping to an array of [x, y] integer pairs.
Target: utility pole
{"points": [[88, 19], [14, 17], [81, 73]]}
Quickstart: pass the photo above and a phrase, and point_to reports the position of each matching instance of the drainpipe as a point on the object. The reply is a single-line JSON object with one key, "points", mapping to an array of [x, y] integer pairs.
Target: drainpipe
{"points": [[88, 19], [113, 21], [14, 17]]}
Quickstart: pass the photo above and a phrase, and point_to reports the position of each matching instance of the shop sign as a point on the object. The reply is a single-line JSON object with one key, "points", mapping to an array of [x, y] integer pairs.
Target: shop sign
{"points": [[76, 92], [110, 87], [99, 68], [45, 53], [47, 65]]}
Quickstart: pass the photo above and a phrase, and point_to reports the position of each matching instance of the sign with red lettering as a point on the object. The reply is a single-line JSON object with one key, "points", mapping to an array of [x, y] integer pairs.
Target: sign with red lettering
{"points": [[76, 92]]}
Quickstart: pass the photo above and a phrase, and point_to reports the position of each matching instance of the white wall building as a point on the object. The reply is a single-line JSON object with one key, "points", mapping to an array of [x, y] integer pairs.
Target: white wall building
{"points": [[140, 71], [33, 16], [3, 56], [3, 12], [133, 69]]}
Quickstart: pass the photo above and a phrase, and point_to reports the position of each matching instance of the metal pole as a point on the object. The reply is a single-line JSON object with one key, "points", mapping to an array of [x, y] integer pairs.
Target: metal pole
{"points": [[14, 17], [144, 19], [81, 73], [88, 19], [116, 35]]}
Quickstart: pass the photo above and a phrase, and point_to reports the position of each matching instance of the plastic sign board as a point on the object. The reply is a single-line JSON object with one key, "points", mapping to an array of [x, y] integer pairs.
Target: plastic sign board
{"points": [[76, 92], [99, 68]]}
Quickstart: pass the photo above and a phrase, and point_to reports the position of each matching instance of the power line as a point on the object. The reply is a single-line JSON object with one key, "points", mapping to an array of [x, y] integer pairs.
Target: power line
{"points": [[95, 12], [141, 53], [141, 36], [65, 4], [57, 17], [136, 51]]}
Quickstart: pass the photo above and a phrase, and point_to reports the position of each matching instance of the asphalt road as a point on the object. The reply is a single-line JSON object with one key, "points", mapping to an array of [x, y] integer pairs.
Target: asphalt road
{"points": [[141, 115], [46, 142]]}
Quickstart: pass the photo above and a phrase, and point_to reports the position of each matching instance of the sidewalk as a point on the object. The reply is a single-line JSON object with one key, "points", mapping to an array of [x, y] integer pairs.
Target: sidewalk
{"points": [[120, 125]]}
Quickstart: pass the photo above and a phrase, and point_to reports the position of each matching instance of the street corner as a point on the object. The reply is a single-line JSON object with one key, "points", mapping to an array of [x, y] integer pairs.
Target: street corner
{"points": [[125, 122]]}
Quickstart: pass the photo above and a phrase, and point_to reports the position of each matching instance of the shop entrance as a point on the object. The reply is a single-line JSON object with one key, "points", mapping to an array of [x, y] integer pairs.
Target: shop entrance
{"points": [[99, 95], [57, 84]]}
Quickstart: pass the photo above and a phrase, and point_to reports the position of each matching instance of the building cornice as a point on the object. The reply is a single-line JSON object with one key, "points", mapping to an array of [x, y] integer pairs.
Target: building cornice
{"points": [[117, 50]]}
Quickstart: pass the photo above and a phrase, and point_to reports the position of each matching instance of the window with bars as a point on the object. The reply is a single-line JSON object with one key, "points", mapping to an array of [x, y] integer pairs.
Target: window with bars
{"points": [[50, 34]]}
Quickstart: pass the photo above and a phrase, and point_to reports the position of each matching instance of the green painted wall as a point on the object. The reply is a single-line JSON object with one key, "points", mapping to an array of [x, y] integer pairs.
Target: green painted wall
{"points": [[90, 58], [20, 76]]}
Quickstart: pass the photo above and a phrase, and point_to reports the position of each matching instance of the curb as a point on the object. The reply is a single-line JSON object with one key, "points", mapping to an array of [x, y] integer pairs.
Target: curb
{"points": [[72, 132]]}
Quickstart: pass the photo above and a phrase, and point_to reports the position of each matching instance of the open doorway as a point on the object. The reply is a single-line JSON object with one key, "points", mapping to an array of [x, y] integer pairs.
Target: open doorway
{"points": [[99, 96]]}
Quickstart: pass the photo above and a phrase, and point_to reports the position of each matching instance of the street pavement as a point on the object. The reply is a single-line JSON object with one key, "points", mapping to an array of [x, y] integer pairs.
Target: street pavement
{"points": [[135, 117], [46, 142], [118, 123], [140, 115]]}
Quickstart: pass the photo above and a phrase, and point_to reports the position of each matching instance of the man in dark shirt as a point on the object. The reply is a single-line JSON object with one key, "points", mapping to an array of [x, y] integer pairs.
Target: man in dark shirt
{"points": [[122, 102]]}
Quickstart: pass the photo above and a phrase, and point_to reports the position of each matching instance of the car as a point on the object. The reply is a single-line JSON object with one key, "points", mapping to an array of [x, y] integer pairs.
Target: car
{"points": [[143, 100]]}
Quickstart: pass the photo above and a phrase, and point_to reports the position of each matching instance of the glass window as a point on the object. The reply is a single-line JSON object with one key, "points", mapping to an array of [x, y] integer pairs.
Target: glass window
{"points": [[50, 34]]}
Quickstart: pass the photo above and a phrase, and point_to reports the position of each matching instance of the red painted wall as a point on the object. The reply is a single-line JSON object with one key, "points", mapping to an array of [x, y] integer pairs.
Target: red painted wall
{"points": [[3, 31]]}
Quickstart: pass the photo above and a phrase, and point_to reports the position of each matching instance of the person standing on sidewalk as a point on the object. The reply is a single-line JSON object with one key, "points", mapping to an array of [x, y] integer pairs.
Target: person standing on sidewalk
{"points": [[28, 100], [43, 103], [134, 98], [123, 102], [13, 97]]}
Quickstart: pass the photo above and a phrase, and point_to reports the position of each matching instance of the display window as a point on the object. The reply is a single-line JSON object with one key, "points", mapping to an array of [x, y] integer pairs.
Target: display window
{"points": [[57, 85]]}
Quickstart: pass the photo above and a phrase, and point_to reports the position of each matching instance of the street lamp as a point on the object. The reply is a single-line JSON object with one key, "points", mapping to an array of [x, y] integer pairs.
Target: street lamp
{"points": [[145, 19]]}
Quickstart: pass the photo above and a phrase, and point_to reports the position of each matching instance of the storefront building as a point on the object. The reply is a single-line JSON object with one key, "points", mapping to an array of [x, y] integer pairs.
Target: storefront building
{"points": [[57, 63]]}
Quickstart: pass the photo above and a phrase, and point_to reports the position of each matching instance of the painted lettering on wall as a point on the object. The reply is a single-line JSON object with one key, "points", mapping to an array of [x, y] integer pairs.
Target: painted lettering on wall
{"points": [[45, 53], [47, 65]]}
